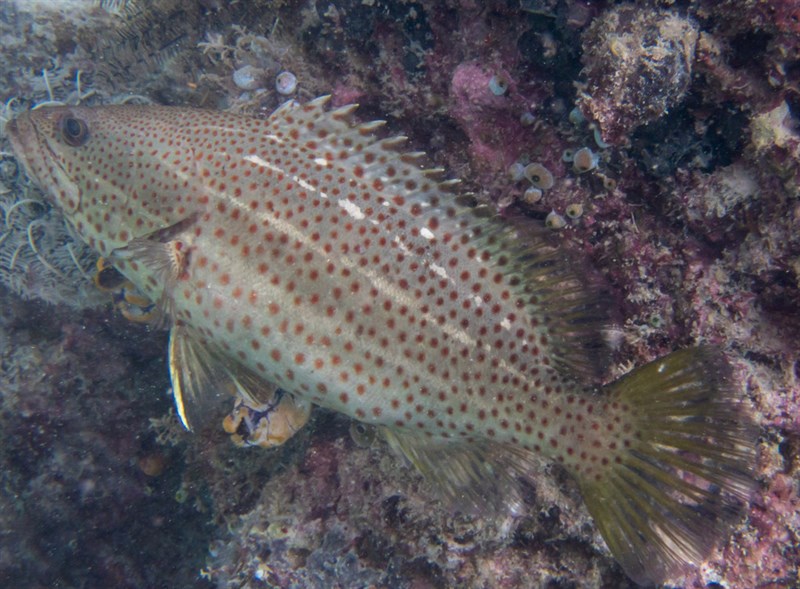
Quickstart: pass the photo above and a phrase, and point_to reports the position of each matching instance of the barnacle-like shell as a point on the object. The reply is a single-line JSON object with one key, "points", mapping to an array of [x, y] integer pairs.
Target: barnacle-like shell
{"points": [[248, 77], [532, 195], [584, 160], [526, 119], [286, 83], [539, 176], [362, 434], [516, 171], [498, 85], [555, 221], [574, 211]]}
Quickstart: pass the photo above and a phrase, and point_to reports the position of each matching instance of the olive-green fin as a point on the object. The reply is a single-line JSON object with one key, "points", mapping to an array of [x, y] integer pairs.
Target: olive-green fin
{"points": [[568, 299], [553, 287], [204, 381], [477, 477], [669, 498]]}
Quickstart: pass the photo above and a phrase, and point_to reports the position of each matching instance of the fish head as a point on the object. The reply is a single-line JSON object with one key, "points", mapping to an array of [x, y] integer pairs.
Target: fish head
{"points": [[47, 142], [111, 170]]}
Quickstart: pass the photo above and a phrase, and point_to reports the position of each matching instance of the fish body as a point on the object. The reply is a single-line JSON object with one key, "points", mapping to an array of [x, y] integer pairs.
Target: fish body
{"points": [[303, 253]]}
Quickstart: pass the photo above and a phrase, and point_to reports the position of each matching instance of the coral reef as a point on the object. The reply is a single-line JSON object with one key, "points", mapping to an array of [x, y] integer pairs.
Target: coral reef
{"points": [[354, 517], [638, 65], [688, 209], [82, 504]]}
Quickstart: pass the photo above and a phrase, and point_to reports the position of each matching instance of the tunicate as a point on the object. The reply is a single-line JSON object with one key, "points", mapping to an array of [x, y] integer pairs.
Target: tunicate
{"points": [[286, 83], [539, 176], [498, 85], [248, 77], [584, 160]]}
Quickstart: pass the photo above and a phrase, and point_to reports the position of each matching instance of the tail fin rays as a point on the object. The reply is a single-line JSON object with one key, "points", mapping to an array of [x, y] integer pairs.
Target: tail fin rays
{"points": [[667, 500]]}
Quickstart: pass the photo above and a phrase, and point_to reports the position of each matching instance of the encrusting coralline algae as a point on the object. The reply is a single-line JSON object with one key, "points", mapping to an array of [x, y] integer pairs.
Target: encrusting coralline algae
{"points": [[687, 255]]}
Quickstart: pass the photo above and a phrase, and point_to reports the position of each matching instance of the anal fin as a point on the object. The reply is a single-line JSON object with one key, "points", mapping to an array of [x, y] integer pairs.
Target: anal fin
{"points": [[478, 477]]}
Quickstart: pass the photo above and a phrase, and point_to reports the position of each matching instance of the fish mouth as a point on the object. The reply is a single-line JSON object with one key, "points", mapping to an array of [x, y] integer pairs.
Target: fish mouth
{"points": [[22, 134], [28, 134]]}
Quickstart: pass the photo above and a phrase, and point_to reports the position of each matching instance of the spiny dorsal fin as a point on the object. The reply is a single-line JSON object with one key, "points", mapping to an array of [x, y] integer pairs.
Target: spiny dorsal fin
{"points": [[556, 292]]}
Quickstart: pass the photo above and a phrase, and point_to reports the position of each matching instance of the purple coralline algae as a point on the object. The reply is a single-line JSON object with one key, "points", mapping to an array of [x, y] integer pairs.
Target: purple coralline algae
{"points": [[689, 217], [487, 117]]}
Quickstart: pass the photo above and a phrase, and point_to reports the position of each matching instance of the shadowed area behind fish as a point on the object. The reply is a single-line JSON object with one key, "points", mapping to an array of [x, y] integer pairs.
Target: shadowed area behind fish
{"points": [[302, 260]]}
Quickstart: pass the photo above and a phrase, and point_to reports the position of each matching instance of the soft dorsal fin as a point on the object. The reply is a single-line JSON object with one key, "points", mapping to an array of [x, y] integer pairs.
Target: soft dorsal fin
{"points": [[561, 292]]}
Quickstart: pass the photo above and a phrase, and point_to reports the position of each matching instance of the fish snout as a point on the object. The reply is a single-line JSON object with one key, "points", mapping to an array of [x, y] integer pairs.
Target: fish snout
{"points": [[20, 133], [13, 132], [12, 127]]}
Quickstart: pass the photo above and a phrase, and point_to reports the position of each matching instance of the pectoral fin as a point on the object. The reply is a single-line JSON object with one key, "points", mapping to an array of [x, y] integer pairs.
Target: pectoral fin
{"points": [[165, 252]]}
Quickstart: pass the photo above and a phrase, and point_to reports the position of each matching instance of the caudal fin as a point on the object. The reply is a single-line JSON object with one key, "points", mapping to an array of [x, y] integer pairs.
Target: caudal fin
{"points": [[686, 475]]}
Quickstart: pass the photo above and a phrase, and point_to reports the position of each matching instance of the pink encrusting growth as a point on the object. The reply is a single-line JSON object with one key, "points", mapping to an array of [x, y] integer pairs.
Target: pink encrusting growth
{"points": [[303, 253]]}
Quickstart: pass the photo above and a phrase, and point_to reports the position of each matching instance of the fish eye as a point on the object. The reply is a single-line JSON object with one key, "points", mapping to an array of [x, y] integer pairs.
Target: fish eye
{"points": [[74, 131]]}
